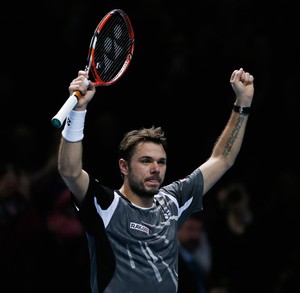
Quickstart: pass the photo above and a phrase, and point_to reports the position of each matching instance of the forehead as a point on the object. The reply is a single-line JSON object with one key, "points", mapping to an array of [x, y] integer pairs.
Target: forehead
{"points": [[149, 149]]}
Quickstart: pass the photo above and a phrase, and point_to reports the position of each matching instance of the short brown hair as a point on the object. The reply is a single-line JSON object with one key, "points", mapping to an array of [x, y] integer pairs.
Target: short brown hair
{"points": [[132, 138]]}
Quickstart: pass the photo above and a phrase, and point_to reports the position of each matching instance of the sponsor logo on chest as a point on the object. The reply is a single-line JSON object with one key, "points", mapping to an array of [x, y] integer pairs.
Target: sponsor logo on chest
{"points": [[139, 227]]}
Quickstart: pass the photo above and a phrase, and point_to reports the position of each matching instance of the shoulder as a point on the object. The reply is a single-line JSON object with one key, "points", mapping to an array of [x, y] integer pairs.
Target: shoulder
{"points": [[188, 184], [103, 194]]}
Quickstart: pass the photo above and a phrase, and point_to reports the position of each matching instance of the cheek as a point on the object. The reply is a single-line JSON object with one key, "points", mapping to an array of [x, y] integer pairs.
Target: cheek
{"points": [[138, 171]]}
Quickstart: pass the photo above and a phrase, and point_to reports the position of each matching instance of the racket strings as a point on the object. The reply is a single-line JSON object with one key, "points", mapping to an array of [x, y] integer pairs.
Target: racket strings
{"points": [[112, 49]]}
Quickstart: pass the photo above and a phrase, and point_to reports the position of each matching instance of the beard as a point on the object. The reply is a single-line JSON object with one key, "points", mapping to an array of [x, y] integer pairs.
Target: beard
{"points": [[140, 190]]}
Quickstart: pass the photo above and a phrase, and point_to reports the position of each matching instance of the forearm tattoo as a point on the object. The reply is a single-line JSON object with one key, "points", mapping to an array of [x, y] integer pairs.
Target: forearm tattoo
{"points": [[233, 136]]}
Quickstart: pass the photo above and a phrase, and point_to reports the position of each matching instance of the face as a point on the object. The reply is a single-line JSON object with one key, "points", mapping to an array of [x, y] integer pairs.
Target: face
{"points": [[146, 170]]}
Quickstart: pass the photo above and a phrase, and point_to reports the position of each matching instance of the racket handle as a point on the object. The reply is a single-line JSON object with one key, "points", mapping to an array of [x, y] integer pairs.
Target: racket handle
{"points": [[58, 120]]}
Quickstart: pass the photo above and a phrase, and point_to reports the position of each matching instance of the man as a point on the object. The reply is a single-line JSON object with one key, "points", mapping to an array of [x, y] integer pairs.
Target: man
{"points": [[131, 231]]}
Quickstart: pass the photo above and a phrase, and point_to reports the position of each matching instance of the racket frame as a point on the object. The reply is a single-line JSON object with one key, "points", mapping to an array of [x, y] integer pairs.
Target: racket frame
{"points": [[58, 120]]}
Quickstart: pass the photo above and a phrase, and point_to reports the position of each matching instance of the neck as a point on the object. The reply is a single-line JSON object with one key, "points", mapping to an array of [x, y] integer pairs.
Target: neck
{"points": [[144, 202]]}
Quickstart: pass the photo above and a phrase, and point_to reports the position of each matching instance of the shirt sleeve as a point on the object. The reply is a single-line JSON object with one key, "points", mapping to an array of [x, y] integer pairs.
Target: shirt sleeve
{"points": [[188, 193]]}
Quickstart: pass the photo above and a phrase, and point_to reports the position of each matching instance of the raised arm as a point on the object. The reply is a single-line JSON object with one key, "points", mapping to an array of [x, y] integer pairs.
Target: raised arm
{"points": [[230, 141], [70, 149]]}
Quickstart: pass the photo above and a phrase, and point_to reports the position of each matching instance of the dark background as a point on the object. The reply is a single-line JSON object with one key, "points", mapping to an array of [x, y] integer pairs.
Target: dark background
{"points": [[179, 79], [179, 76]]}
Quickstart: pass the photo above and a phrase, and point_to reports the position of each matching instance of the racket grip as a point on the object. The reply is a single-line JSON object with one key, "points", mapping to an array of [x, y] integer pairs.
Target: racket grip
{"points": [[58, 120]]}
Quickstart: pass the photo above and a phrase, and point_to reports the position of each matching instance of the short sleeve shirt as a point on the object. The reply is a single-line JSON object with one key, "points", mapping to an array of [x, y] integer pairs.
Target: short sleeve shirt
{"points": [[134, 249]]}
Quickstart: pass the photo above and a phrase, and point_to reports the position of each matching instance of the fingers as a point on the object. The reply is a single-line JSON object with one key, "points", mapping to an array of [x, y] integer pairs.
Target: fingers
{"points": [[241, 75], [80, 83], [83, 77], [236, 75], [84, 73], [248, 78]]}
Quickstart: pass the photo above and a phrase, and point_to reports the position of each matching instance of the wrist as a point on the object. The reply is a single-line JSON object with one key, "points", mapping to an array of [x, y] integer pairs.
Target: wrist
{"points": [[241, 110], [79, 109], [74, 126]]}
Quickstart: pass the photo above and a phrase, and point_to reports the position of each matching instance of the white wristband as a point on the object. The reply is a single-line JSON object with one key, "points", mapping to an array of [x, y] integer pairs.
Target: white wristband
{"points": [[73, 130]]}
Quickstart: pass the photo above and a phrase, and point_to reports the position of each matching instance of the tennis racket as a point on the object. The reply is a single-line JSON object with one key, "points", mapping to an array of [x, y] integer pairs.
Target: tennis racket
{"points": [[110, 53]]}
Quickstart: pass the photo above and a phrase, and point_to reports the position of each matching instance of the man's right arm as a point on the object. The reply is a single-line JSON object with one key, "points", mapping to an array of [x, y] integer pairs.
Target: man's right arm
{"points": [[70, 148], [70, 168]]}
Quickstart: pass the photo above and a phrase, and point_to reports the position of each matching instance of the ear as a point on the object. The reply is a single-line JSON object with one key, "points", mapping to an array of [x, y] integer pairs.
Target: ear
{"points": [[123, 165]]}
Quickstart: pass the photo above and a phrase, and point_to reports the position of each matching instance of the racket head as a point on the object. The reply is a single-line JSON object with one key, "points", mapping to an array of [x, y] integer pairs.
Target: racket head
{"points": [[111, 48]]}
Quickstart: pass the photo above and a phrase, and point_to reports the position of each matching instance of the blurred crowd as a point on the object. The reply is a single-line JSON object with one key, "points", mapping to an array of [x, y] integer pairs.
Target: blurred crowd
{"points": [[239, 249]]}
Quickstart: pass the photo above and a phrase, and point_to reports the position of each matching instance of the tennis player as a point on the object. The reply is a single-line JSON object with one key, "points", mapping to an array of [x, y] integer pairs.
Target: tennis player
{"points": [[131, 230]]}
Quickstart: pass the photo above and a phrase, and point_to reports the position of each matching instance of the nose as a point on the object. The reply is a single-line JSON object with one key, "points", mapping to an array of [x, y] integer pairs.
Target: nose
{"points": [[155, 167]]}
